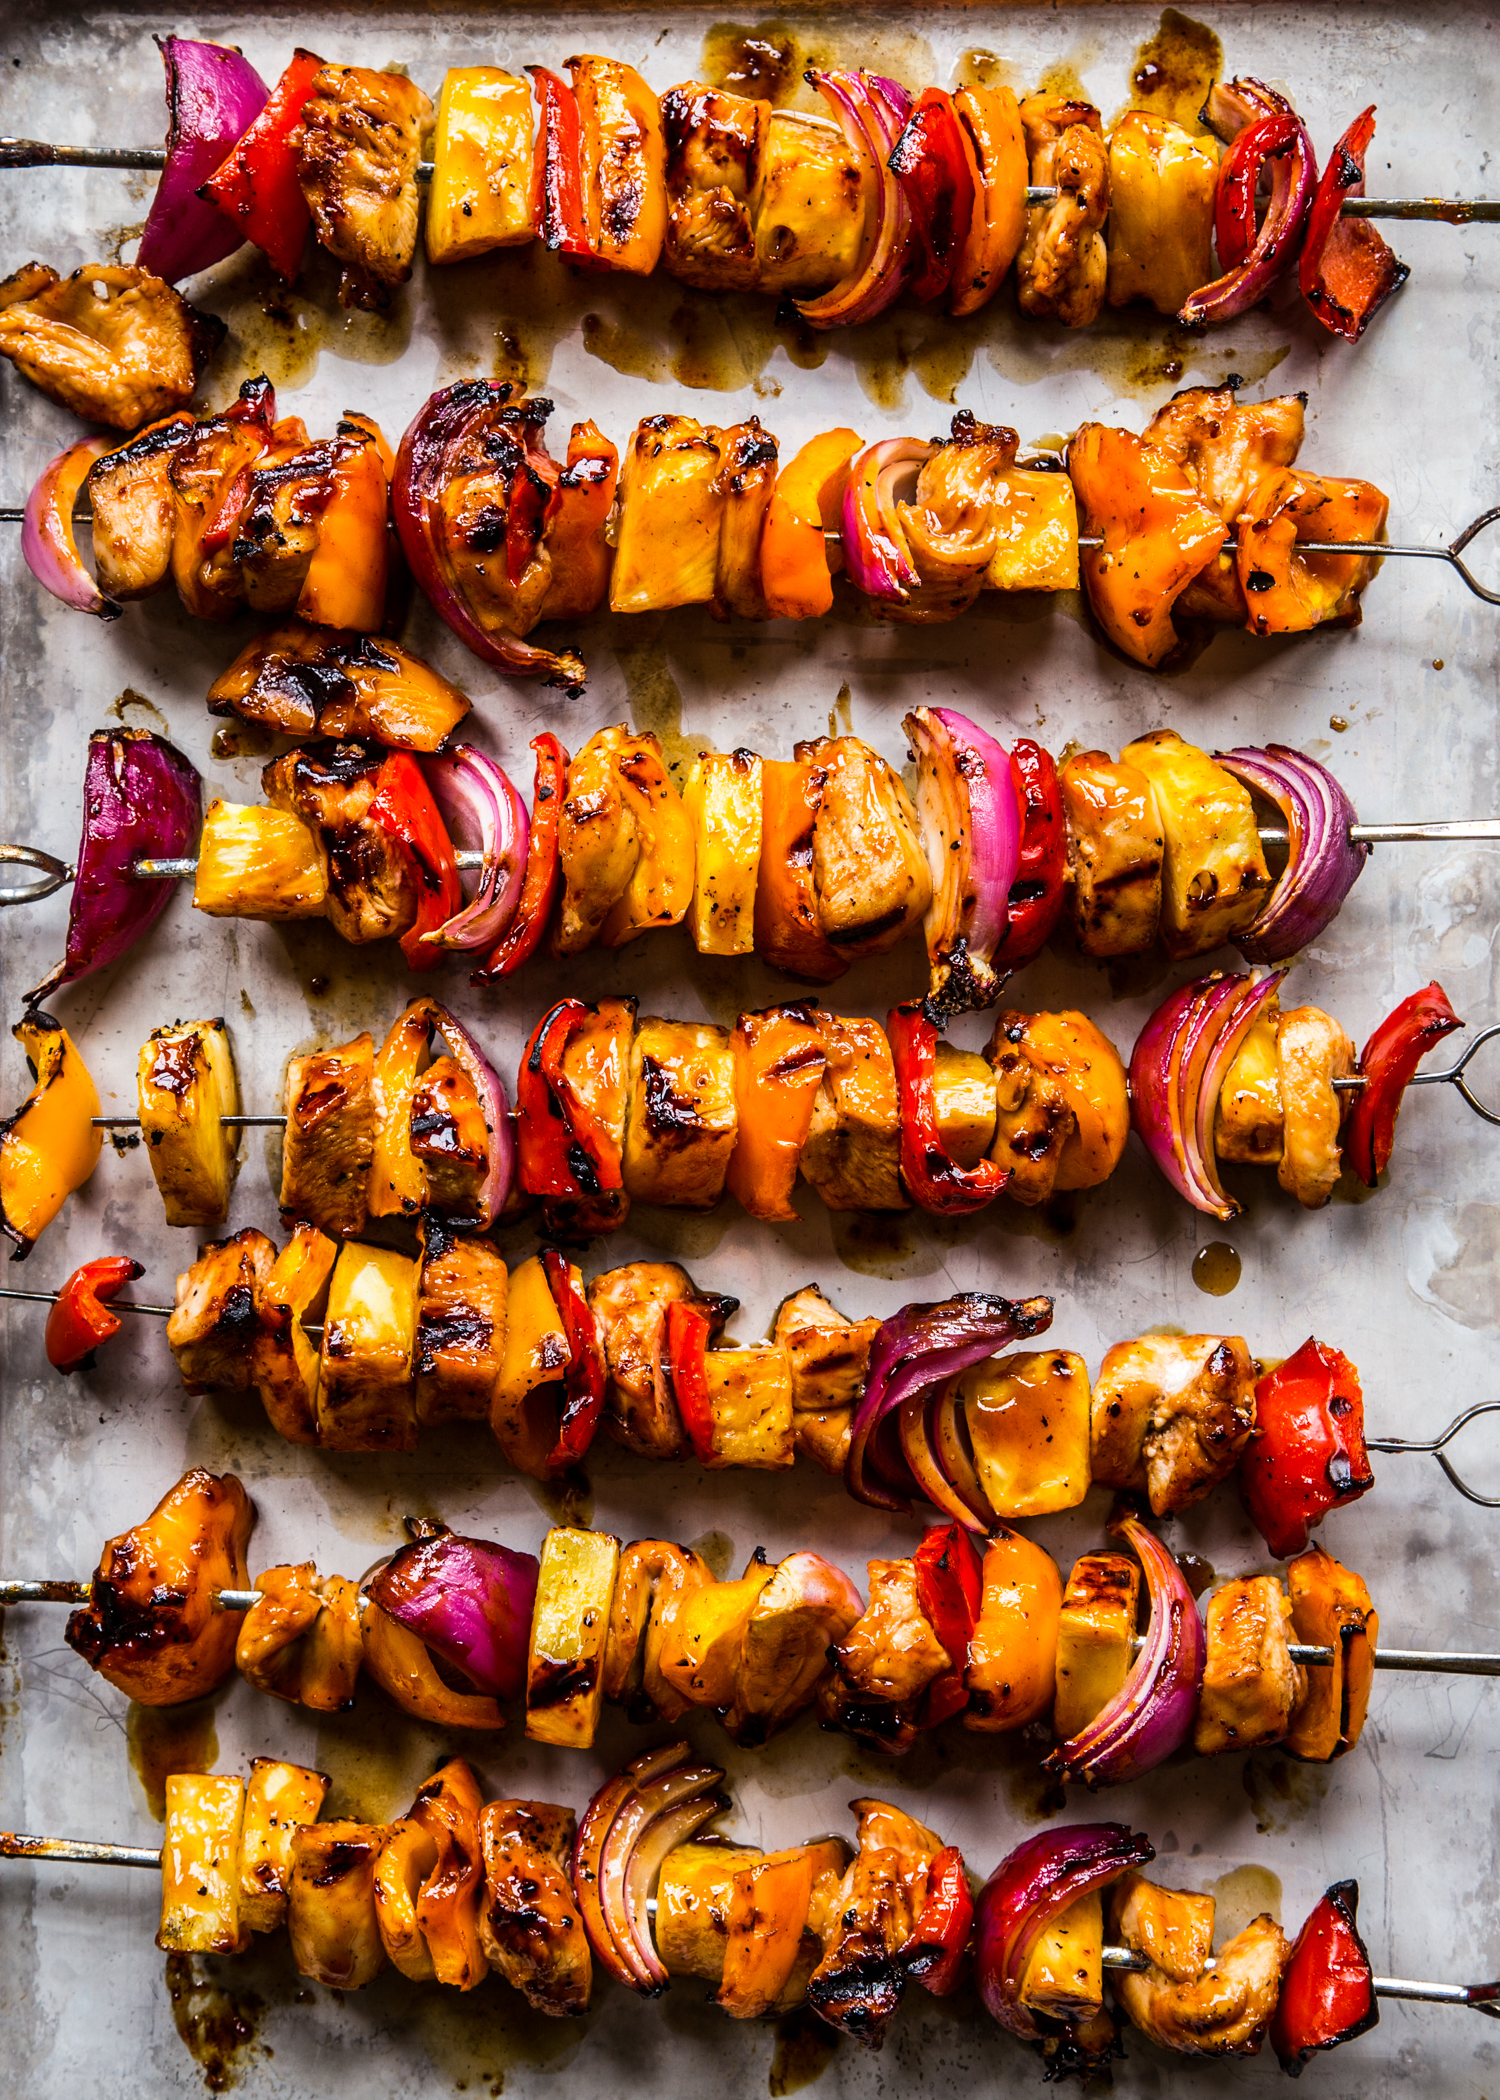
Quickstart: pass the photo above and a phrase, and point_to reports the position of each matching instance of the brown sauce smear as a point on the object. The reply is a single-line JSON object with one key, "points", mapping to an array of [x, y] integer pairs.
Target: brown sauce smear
{"points": [[1175, 69], [167, 1739], [217, 2027]]}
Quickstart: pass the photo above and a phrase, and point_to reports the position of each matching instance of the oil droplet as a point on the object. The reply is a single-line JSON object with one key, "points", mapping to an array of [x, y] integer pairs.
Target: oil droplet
{"points": [[1437, 663], [167, 1739], [805, 2047], [762, 62], [1175, 69], [1216, 1268], [215, 2027], [1239, 1896]]}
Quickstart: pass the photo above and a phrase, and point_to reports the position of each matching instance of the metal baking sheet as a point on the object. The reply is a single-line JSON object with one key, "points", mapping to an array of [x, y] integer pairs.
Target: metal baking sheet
{"points": [[1405, 708]]}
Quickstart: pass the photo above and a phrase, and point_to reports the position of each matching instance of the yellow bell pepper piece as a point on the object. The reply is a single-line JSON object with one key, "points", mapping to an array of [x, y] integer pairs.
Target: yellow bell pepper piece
{"points": [[49, 1147], [1028, 1420]]}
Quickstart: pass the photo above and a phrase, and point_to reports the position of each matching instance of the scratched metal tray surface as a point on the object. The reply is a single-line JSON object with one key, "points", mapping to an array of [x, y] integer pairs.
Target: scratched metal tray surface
{"points": [[1405, 708]]}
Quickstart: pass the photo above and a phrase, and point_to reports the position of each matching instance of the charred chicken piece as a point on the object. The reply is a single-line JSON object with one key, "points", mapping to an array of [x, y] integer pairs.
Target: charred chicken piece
{"points": [[209, 476], [630, 1305], [858, 1984], [884, 1663], [449, 1137], [1222, 2011], [1251, 1686], [302, 1641], [279, 522], [869, 866], [715, 146], [1171, 1415], [1227, 452], [130, 494], [330, 787], [829, 1355], [806, 1607], [461, 1296], [284, 1365], [529, 1925], [330, 1137], [358, 145], [150, 1626], [1061, 269], [1115, 853], [852, 1157], [652, 1579], [214, 1324], [1312, 1051], [307, 681], [111, 342]]}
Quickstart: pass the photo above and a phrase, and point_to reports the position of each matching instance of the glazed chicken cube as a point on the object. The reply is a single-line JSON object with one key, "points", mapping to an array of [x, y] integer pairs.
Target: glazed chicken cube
{"points": [[858, 1984], [529, 1925], [449, 1137], [358, 145], [681, 1127], [885, 1662], [1171, 1415], [828, 1354], [715, 144], [279, 525], [1222, 2011], [214, 1323], [1250, 1684], [461, 1297], [806, 1607], [853, 1152], [130, 494], [330, 1137], [310, 681], [1060, 271], [1115, 853], [371, 896], [1312, 1051], [630, 1306], [869, 865], [1227, 451], [111, 342]]}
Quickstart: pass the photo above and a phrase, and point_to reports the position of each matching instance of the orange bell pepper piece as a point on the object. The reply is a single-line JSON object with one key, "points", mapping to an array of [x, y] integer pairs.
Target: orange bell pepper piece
{"points": [[778, 1067], [448, 1905], [1331, 1608], [1012, 1673], [807, 501], [989, 121], [345, 582], [1288, 592], [767, 1913], [573, 528], [788, 933], [1158, 534]]}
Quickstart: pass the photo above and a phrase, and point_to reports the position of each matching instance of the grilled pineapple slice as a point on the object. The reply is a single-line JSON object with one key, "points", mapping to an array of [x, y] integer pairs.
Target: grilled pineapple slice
{"points": [[667, 517], [257, 863], [1094, 1638], [279, 1801], [367, 1360], [569, 1629], [186, 1085], [480, 195], [682, 1121], [750, 1401], [1215, 878], [722, 798], [200, 1866]]}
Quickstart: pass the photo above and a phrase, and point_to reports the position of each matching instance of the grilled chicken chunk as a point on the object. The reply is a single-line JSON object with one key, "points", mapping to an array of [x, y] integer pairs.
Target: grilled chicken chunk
{"points": [[213, 1325], [1222, 2011], [869, 865], [829, 1354], [1226, 452], [358, 145], [208, 478], [630, 1306], [806, 1607], [884, 1663], [280, 523], [150, 1625], [449, 1137], [130, 493], [1115, 853], [853, 1152], [681, 1126], [330, 1137], [1312, 1051], [330, 787], [529, 1925], [1173, 1928], [1250, 1685], [598, 841], [302, 1641], [111, 342], [715, 145], [1061, 269], [653, 1578], [461, 1298], [1248, 1123], [1171, 1414], [857, 1986], [314, 681]]}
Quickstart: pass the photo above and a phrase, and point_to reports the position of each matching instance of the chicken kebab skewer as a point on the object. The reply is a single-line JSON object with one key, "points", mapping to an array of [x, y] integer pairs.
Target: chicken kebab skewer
{"points": [[453, 1628], [644, 1887], [939, 194]]}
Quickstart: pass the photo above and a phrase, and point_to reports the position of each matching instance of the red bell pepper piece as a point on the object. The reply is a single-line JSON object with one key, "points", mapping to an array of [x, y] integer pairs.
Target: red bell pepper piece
{"points": [[933, 1178], [80, 1320], [1348, 269], [557, 179], [950, 1583], [405, 810], [257, 185], [1039, 891], [564, 1154], [1388, 1062], [1239, 178], [1328, 1991], [939, 1942], [1307, 1455], [929, 162], [539, 885], [583, 1381], [688, 1334]]}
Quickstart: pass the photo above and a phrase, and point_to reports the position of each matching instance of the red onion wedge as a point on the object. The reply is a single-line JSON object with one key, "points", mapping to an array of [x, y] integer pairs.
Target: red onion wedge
{"points": [[1179, 1064], [872, 112], [917, 1351], [1029, 1889], [214, 95], [482, 811], [1268, 137], [142, 800], [877, 554], [495, 1105], [626, 1832], [469, 1602], [48, 547], [454, 418], [1152, 1713], [932, 1444], [970, 815], [1323, 862]]}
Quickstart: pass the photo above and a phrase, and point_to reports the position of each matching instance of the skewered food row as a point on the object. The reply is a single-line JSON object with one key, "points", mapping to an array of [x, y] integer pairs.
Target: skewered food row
{"points": [[937, 193], [812, 862], [1203, 520], [451, 1627], [643, 1886]]}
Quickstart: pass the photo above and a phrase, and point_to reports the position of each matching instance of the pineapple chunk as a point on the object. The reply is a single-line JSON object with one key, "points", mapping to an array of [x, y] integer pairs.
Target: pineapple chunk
{"points": [[1036, 533], [750, 1395], [1065, 1975], [279, 1801], [722, 799], [1214, 879], [366, 1370], [1094, 1637], [569, 1628], [186, 1085], [480, 195], [963, 1091], [258, 863], [1028, 1420], [200, 1866]]}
